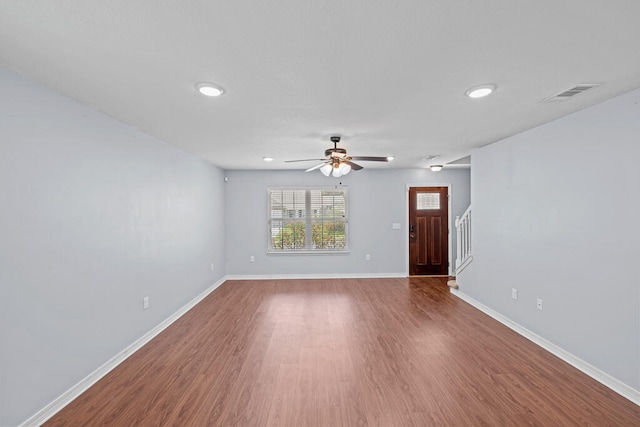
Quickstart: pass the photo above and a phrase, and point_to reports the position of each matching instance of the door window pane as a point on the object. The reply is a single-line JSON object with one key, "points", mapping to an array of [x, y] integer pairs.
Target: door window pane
{"points": [[428, 201]]}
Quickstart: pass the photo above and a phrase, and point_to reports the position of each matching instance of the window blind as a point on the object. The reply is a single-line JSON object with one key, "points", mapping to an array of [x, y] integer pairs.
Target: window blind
{"points": [[308, 219]]}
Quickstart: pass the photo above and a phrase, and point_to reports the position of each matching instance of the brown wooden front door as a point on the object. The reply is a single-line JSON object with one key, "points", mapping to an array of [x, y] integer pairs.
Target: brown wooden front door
{"points": [[428, 231]]}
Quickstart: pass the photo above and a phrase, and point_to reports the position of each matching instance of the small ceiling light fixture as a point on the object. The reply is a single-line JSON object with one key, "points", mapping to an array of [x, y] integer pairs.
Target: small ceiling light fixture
{"points": [[390, 158], [480, 91], [209, 89], [436, 168], [268, 159]]}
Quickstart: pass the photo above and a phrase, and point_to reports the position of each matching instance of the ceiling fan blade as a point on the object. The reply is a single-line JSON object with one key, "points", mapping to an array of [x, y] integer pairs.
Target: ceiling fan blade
{"points": [[316, 167], [354, 166], [305, 160], [370, 158]]}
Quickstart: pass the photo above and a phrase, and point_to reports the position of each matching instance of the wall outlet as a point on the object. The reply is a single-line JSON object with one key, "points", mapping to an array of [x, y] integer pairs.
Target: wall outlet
{"points": [[539, 304], [367, 257], [145, 303], [252, 259], [514, 293]]}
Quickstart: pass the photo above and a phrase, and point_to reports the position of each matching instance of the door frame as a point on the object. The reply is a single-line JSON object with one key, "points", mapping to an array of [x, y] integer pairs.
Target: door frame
{"points": [[406, 228]]}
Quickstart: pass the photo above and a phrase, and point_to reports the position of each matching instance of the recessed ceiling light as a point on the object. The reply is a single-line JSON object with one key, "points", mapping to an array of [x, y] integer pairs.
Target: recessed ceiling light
{"points": [[268, 159], [436, 168], [480, 91], [209, 89], [390, 158]]}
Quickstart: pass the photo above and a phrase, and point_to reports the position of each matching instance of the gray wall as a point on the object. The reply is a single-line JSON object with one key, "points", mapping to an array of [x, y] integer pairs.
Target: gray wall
{"points": [[555, 216], [94, 216], [377, 199]]}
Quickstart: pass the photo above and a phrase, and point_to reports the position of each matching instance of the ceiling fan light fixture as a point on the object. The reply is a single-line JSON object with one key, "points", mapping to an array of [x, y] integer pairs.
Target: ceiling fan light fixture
{"points": [[480, 91], [209, 89], [390, 158], [337, 162], [326, 169], [436, 168], [268, 159]]}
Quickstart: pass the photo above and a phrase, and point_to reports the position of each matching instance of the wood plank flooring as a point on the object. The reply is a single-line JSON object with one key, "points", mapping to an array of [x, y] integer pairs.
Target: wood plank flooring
{"points": [[352, 352]]}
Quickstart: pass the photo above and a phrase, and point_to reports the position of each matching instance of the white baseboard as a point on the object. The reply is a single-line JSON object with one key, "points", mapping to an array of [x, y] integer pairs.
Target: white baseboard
{"points": [[618, 386], [63, 400], [316, 276]]}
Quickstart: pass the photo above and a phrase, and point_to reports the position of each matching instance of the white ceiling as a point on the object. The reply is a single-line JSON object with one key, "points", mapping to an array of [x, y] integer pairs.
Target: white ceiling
{"points": [[388, 76]]}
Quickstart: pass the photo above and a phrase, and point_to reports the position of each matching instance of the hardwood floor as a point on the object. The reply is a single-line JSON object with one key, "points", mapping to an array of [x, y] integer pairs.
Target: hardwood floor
{"points": [[353, 352]]}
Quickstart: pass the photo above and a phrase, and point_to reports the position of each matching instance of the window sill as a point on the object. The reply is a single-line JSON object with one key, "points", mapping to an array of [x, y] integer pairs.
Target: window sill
{"points": [[310, 252]]}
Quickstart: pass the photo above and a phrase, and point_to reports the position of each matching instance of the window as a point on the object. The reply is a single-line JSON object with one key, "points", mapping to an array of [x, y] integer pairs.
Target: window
{"points": [[307, 220], [428, 201]]}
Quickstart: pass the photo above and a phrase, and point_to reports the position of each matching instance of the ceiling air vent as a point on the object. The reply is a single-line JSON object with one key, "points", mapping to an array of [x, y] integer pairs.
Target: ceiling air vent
{"points": [[571, 92]]}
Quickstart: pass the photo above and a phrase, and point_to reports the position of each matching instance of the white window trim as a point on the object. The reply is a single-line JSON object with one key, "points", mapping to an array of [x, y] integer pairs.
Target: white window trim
{"points": [[307, 251]]}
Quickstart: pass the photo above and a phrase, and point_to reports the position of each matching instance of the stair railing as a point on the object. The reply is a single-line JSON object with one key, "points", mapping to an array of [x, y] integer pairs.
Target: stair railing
{"points": [[463, 237]]}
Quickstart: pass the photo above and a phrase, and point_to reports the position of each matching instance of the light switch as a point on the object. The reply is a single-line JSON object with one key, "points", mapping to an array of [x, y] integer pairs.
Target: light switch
{"points": [[395, 226]]}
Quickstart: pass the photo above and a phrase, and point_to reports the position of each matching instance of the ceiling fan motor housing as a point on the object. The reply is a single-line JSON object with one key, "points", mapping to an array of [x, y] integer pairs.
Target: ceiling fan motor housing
{"points": [[335, 152]]}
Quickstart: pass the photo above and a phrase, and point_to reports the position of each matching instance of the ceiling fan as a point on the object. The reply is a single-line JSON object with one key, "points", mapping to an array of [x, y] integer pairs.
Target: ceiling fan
{"points": [[337, 162]]}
